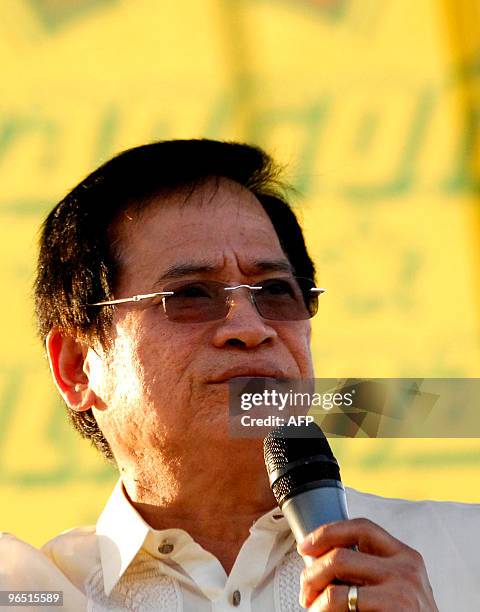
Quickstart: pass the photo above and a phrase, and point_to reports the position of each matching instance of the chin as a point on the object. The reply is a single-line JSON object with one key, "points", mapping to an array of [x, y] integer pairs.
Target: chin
{"points": [[246, 447], [218, 436]]}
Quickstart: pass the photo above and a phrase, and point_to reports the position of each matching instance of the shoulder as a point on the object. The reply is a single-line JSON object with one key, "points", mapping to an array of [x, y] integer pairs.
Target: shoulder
{"points": [[435, 514], [24, 567], [432, 527], [71, 541], [445, 533], [75, 552], [16, 557], [21, 564]]}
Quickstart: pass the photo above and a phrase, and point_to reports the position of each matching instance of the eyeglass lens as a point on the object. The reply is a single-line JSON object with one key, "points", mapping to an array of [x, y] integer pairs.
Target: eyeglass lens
{"points": [[279, 299]]}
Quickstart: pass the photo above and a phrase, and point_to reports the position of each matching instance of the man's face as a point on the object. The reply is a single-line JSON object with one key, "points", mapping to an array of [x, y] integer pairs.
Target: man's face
{"points": [[164, 383]]}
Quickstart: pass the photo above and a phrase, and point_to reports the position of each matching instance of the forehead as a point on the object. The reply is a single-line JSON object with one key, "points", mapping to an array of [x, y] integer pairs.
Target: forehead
{"points": [[220, 227]]}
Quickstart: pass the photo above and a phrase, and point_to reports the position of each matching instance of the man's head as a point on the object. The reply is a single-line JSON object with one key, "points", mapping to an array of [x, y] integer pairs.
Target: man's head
{"points": [[202, 209]]}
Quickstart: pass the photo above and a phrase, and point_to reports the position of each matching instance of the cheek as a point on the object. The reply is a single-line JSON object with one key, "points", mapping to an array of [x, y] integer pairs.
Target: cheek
{"points": [[299, 344], [126, 376], [162, 357]]}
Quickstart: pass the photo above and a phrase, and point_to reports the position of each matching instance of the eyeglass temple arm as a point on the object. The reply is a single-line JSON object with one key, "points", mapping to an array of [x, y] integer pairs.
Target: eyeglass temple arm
{"points": [[134, 298], [314, 289]]}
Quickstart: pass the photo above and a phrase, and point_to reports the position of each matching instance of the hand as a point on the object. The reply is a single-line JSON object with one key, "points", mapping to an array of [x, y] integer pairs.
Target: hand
{"points": [[389, 574]]}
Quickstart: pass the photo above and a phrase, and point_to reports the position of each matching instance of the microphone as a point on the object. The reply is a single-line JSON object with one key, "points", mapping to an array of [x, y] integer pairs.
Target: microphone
{"points": [[305, 478]]}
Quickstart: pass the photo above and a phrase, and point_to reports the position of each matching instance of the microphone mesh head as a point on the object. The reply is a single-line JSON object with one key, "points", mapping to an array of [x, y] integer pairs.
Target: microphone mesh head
{"points": [[297, 458]]}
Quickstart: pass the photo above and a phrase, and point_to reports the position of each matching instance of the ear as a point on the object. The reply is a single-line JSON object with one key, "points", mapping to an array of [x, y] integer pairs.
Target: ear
{"points": [[67, 358]]}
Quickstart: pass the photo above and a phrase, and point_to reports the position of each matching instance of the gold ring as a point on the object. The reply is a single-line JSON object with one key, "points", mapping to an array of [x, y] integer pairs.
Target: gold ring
{"points": [[352, 598]]}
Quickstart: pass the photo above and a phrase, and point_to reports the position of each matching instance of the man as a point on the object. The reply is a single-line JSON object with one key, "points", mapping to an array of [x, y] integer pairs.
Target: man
{"points": [[144, 299]]}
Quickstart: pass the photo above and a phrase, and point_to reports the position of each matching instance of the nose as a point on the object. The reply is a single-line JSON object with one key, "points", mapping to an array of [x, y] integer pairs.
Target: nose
{"points": [[243, 327]]}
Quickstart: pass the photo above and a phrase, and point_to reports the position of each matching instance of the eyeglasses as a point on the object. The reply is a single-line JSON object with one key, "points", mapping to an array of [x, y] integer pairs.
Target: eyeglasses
{"points": [[198, 301]]}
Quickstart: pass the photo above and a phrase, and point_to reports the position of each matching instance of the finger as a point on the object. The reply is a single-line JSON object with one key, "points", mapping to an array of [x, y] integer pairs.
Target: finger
{"points": [[367, 536], [335, 599], [372, 599], [343, 565]]}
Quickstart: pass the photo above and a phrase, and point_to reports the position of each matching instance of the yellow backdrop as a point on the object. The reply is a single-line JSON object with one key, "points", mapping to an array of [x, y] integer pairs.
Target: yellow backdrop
{"points": [[373, 104]]}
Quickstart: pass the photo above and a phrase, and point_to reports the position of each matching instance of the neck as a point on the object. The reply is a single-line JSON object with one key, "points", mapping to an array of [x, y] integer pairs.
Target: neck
{"points": [[216, 507]]}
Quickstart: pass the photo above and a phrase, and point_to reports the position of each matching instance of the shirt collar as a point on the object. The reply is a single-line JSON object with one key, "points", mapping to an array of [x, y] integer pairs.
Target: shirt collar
{"points": [[122, 532]]}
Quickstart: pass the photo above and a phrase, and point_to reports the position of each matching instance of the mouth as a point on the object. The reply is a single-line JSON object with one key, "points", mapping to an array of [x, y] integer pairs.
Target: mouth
{"points": [[247, 372]]}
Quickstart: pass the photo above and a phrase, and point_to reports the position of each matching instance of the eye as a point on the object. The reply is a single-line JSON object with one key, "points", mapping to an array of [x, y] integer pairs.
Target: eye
{"points": [[278, 287], [192, 291]]}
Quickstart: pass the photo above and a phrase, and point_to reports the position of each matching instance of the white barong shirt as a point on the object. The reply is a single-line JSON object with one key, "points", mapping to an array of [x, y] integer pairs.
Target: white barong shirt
{"points": [[123, 564]]}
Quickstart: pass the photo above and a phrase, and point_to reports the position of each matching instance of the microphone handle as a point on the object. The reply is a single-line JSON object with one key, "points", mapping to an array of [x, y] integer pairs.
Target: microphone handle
{"points": [[308, 510]]}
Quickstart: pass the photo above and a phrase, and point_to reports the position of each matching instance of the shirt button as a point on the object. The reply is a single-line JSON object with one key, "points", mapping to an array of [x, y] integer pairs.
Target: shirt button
{"points": [[165, 548], [236, 598]]}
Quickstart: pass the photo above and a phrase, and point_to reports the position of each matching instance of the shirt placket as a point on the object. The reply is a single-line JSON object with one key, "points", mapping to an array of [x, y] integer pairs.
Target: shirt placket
{"points": [[249, 570]]}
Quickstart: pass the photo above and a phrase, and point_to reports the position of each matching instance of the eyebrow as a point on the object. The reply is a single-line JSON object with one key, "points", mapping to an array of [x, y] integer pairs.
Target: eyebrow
{"points": [[183, 270]]}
